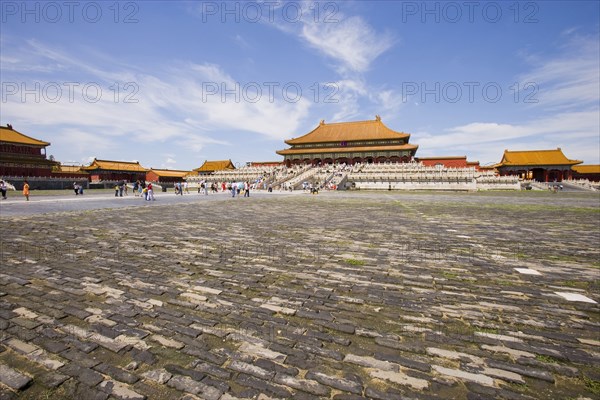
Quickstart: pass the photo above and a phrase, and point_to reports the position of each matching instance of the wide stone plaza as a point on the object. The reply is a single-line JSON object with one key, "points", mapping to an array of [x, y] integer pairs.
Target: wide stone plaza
{"points": [[338, 295]]}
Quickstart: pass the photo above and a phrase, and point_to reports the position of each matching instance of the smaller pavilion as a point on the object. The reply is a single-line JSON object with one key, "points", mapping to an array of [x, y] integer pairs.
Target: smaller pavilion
{"points": [[165, 175], [107, 170], [538, 165], [211, 166]]}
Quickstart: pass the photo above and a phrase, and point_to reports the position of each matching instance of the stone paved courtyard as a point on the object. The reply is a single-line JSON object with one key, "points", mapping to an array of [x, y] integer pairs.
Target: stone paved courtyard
{"points": [[338, 295]]}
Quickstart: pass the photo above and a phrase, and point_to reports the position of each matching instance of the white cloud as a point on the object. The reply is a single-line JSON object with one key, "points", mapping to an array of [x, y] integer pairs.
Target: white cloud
{"points": [[172, 105], [570, 81], [572, 131], [351, 41]]}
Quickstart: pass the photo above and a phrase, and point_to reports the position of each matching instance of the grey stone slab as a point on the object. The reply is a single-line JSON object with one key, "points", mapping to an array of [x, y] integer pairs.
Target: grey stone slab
{"points": [[120, 391], [205, 355], [302, 363], [50, 345], [89, 377], [333, 354], [13, 379], [143, 356], [80, 358], [305, 385], [25, 323], [85, 347], [250, 369], [262, 386], [76, 312], [52, 379], [276, 367], [160, 376], [325, 316], [212, 370], [373, 393], [179, 370], [564, 370], [85, 392], [404, 361], [187, 384], [530, 372], [217, 384], [116, 373], [345, 385], [344, 328]]}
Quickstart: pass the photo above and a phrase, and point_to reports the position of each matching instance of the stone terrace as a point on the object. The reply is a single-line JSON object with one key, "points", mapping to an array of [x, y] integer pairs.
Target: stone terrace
{"points": [[339, 295]]}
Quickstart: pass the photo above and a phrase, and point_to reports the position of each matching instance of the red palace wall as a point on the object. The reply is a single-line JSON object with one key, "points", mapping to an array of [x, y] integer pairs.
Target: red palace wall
{"points": [[447, 162]]}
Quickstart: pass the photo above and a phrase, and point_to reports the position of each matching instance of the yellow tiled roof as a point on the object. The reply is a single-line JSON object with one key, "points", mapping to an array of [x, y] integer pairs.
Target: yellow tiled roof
{"points": [[11, 136], [74, 169], [349, 131], [349, 149], [215, 166], [170, 172], [115, 166], [587, 169], [535, 157]]}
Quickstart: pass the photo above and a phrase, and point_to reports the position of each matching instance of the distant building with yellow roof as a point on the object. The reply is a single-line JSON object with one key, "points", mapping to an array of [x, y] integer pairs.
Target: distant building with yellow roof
{"points": [[589, 171], [349, 142], [166, 175], [211, 166], [107, 170], [539, 165], [22, 155]]}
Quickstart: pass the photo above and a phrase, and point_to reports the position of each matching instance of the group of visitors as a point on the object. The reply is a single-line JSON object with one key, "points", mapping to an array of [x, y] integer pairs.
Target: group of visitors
{"points": [[142, 190], [237, 188], [77, 188], [120, 188], [4, 189], [181, 188], [203, 188]]}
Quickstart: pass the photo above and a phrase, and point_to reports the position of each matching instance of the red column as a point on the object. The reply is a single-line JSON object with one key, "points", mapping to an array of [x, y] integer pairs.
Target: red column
{"points": [[545, 175]]}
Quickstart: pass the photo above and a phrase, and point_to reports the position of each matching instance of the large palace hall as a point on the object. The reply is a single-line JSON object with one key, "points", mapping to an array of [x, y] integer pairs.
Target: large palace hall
{"points": [[349, 143]]}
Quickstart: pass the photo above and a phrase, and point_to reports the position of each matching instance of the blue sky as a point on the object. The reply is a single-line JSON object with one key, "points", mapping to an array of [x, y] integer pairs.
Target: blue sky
{"points": [[171, 84]]}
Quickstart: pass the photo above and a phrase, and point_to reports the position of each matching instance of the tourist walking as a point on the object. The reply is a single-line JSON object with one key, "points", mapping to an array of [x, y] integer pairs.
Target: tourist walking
{"points": [[246, 189], [75, 188], [185, 188], [116, 190], [150, 192], [136, 186], [3, 189], [26, 190]]}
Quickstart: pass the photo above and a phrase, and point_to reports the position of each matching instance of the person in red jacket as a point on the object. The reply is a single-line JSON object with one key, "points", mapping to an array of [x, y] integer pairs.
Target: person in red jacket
{"points": [[150, 192]]}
